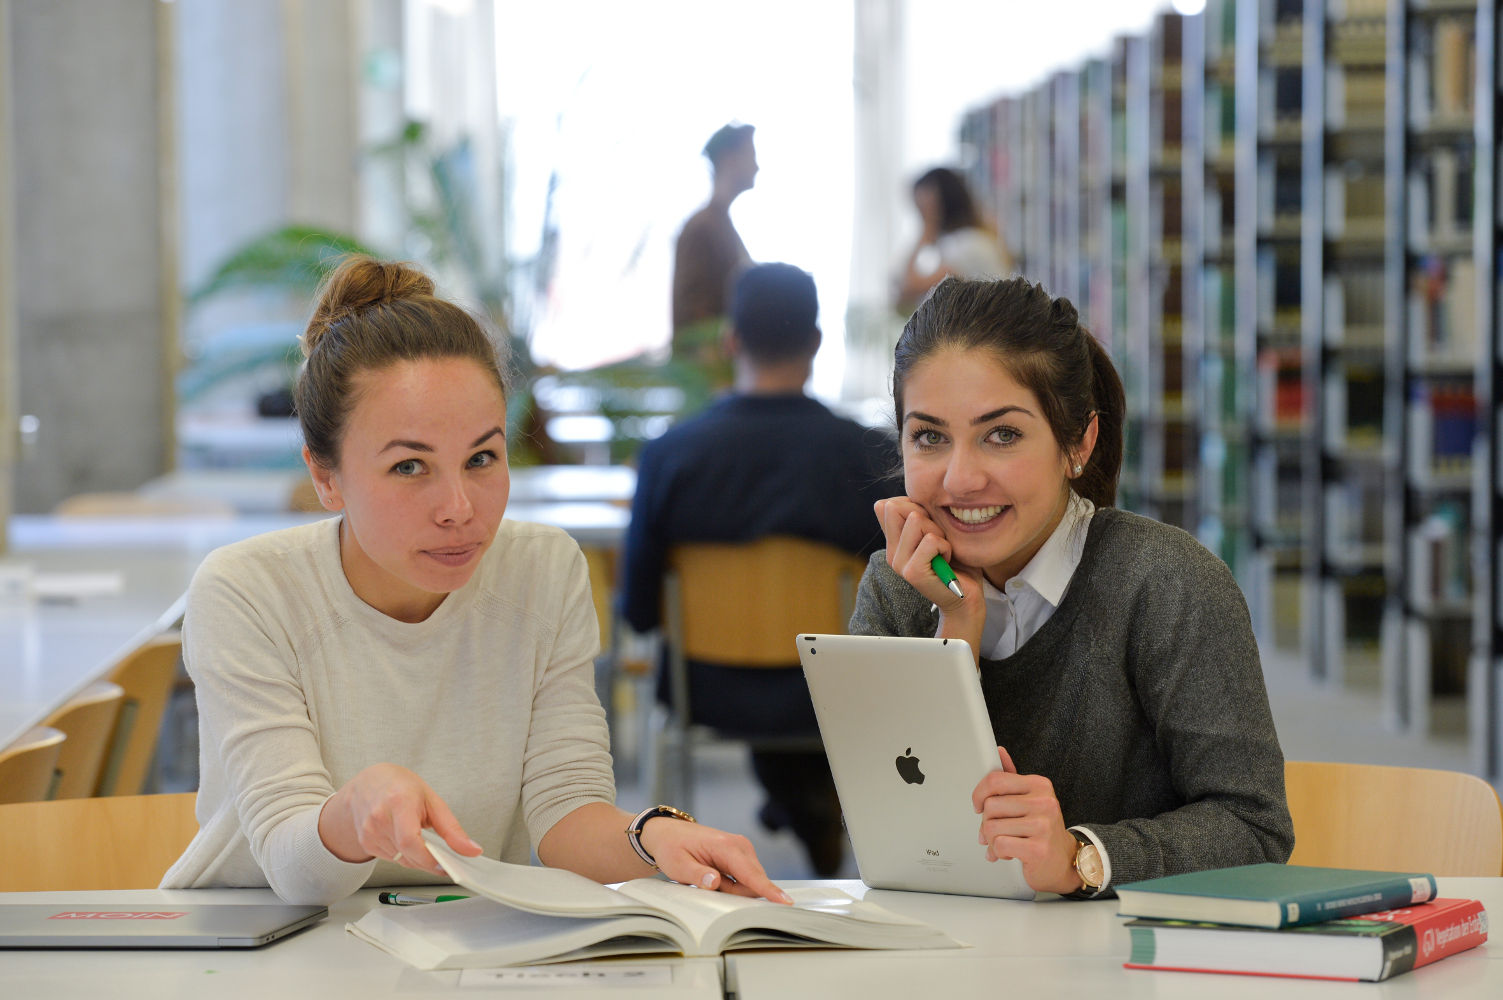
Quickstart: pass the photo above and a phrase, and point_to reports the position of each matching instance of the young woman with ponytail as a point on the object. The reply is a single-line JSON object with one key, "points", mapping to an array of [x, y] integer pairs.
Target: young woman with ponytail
{"points": [[416, 662], [1116, 655]]}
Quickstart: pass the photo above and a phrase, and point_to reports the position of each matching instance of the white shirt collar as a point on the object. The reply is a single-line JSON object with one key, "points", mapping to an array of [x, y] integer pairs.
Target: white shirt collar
{"points": [[1049, 572]]}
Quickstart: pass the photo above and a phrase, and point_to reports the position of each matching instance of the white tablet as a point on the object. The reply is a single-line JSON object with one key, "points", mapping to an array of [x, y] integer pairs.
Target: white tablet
{"points": [[908, 737]]}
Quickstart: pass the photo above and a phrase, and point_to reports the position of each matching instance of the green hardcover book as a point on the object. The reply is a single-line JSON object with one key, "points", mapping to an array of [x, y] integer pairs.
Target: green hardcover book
{"points": [[1269, 895]]}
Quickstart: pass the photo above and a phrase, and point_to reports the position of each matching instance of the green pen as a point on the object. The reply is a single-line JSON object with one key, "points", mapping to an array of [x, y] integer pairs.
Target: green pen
{"points": [[404, 899], [946, 575]]}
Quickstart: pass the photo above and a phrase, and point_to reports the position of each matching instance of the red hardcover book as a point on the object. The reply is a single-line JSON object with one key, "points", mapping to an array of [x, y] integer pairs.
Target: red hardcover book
{"points": [[1370, 947]]}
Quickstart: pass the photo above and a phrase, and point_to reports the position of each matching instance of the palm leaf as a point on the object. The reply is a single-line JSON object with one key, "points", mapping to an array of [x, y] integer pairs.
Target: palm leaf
{"points": [[292, 259]]}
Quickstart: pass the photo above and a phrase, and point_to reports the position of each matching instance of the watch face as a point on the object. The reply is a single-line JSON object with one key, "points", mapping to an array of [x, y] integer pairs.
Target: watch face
{"points": [[1088, 865]]}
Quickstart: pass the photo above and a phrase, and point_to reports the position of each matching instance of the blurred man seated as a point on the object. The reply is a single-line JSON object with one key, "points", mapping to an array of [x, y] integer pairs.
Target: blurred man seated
{"points": [[764, 460]]}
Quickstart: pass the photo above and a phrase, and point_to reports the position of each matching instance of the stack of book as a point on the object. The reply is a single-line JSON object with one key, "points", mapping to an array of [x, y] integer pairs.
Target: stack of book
{"points": [[1292, 920]]}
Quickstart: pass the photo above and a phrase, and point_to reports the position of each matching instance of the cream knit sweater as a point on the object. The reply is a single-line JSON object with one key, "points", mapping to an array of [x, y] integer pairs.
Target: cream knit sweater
{"points": [[301, 685]]}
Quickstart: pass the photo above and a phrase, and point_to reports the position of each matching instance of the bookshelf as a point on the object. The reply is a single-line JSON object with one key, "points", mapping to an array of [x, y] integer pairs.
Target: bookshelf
{"points": [[1354, 468], [1159, 472], [1276, 345], [1485, 676], [1433, 294], [1282, 217], [1222, 402], [1098, 203]]}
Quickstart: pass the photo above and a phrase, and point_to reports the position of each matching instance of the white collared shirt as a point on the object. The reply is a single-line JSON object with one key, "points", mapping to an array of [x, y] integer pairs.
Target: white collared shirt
{"points": [[1016, 612]]}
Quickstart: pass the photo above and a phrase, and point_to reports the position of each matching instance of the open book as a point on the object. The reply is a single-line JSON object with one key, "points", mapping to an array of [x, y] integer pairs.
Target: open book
{"points": [[524, 915]]}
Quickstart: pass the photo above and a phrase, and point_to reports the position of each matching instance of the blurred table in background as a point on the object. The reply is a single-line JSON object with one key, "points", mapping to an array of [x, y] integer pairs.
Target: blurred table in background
{"points": [[269, 491], [78, 593]]}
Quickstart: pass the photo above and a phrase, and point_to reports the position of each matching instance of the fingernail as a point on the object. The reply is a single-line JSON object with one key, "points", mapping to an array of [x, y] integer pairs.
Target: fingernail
{"points": [[708, 881], [784, 896], [473, 844]]}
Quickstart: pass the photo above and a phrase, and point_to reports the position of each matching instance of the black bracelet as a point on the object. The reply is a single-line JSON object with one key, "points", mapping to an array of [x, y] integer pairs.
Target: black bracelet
{"points": [[634, 831]]}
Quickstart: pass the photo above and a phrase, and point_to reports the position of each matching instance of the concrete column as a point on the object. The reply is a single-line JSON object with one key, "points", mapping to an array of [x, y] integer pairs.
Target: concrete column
{"points": [[872, 326], [92, 325]]}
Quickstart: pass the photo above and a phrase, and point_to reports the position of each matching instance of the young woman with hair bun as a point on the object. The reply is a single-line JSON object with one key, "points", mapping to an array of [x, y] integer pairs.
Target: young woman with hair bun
{"points": [[418, 661], [1116, 655]]}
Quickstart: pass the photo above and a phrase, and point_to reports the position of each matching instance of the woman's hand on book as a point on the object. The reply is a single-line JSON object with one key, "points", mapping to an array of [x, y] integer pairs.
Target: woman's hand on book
{"points": [[381, 813], [1021, 818], [709, 858]]}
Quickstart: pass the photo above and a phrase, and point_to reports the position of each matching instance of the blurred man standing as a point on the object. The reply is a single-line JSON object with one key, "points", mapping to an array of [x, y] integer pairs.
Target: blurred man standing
{"points": [[709, 253]]}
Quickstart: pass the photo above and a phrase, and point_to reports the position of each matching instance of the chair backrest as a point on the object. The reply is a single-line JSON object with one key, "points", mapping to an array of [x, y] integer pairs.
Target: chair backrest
{"points": [[28, 765], [600, 563], [124, 842], [147, 675], [87, 719], [1383, 818], [742, 604]]}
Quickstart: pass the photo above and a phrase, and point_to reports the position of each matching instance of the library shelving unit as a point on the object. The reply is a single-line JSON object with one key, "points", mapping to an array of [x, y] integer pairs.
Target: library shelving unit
{"points": [[1485, 677], [1038, 181], [1159, 380], [1063, 276], [1274, 345], [1136, 245], [1124, 225], [1210, 307], [1432, 296], [1283, 219], [1354, 460], [1097, 289]]}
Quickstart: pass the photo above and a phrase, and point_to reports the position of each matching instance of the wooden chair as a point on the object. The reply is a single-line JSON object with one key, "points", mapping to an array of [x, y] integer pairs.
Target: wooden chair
{"points": [[147, 674], [87, 720], [1394, 819], [28, 767], [125, 842], [742, 605]]}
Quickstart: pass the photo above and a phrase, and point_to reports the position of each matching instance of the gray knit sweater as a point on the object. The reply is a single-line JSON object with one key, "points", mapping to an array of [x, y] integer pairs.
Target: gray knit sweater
{"points": [[1141, 699]]}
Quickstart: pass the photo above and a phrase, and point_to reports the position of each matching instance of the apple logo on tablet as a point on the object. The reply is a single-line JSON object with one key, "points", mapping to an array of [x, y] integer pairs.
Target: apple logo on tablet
{"points": [[908, 768]]}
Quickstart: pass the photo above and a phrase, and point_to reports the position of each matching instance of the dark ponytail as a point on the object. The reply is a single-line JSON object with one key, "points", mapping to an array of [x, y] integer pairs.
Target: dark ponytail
{"points": [[1040, 341], [1098, 482]]}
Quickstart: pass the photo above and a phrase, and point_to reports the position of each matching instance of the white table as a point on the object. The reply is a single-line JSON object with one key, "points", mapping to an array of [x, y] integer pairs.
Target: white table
{"points": [[323, 962], [1055, 948], [266, 491], [1069, 948]]}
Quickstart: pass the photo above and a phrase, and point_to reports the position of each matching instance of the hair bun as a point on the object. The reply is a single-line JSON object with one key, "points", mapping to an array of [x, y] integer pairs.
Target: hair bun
{"points": [[360, 283]]}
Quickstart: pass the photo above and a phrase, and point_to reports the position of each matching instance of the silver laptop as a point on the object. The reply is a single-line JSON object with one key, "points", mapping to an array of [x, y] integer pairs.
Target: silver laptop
{"points": [[151, 925], [908, 737]]}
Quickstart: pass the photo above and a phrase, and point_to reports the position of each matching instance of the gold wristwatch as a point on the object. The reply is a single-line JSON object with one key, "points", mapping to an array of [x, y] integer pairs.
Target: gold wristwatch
{"points": [[1088, 864], [634, 831]]}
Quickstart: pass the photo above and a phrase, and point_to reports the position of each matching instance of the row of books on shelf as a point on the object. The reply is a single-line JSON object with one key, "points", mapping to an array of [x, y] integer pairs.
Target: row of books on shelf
{"points": [[1355, 97], [1293, 920], [1442, 429], [1443, 311], [1440, 198], [1442, 70], [1440, 566]]}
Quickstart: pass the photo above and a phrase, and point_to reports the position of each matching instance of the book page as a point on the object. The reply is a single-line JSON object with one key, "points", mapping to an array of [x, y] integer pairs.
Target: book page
{"points": [[719, 920], [537, 890], [478, 933]]}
